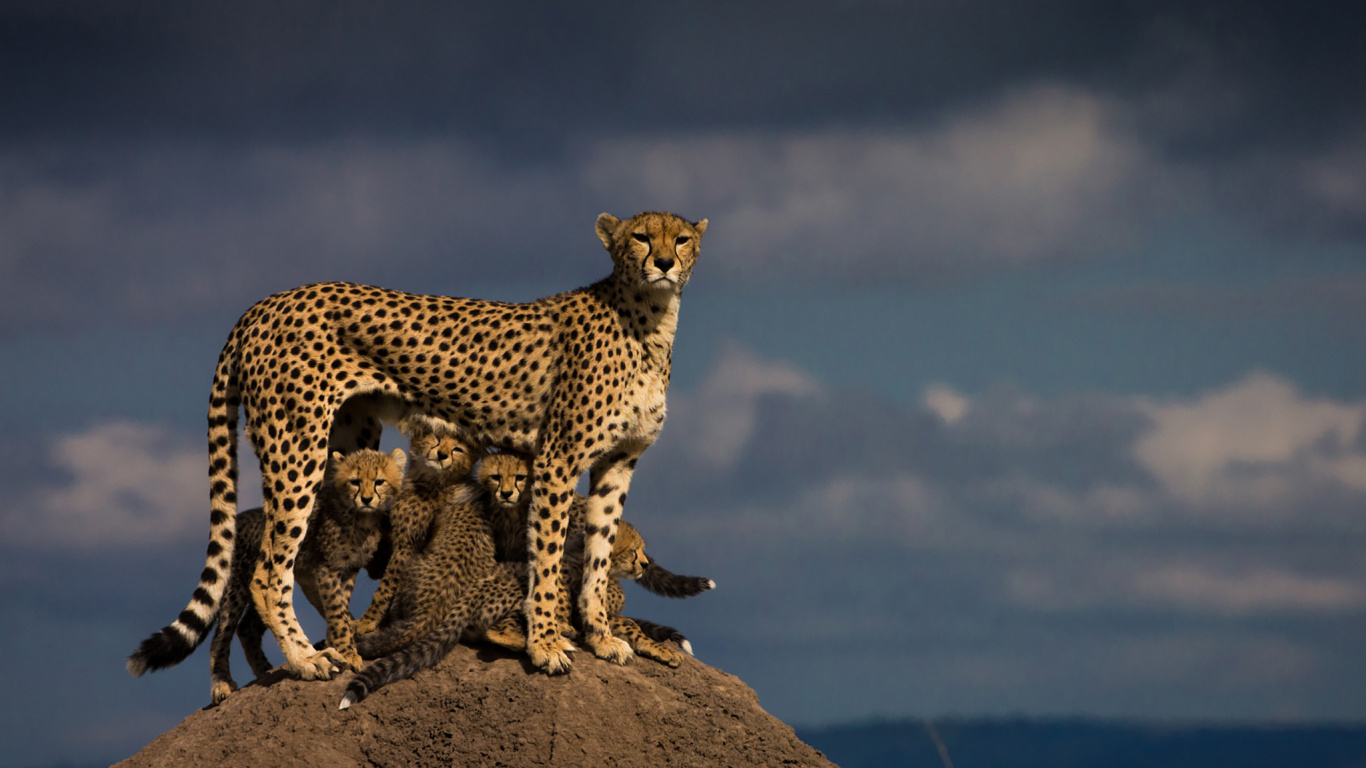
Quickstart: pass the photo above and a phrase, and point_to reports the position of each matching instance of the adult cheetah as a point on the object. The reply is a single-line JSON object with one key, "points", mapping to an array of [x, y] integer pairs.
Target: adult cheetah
{"points": [[578, 379]]}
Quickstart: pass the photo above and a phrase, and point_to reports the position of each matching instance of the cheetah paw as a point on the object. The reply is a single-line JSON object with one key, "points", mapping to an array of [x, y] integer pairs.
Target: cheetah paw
{"points": [[549, 657], [220, 690], [319, 666]]}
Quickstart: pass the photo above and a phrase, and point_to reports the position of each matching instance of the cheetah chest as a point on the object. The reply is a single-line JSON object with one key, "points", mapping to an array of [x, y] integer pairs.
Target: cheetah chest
{"points": [[644, 406]]}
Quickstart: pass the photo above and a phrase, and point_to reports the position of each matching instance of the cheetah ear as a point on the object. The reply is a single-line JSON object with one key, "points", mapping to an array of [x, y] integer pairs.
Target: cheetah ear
{"points": [[337, 456], [607, 229], [701, 227], [399, 457]]}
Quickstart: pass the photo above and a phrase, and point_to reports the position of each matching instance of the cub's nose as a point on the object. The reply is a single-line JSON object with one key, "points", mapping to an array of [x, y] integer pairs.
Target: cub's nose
{"points": [[366, 500], [663, 262], [505, 494]]}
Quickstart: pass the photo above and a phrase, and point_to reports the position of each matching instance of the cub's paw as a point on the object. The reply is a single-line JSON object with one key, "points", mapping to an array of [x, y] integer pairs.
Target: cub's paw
{"points": [[220, 690], [660, 653], [609, 648], [364, 626]]}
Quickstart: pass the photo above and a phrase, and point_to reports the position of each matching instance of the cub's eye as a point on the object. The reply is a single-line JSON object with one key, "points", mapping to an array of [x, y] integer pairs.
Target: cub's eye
{"points": [[681, 239], [496, 478], [521, 478], [354, 482], [379, 482], [641, 237]]}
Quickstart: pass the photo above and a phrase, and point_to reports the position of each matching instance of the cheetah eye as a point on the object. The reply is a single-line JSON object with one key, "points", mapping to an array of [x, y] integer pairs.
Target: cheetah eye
{"points": [[521, 478], [379, 482], [496, 478], [681, 239], [641, 237], [355, 483]]}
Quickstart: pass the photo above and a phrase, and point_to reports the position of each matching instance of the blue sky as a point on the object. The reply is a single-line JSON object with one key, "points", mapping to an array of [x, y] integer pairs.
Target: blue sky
{"points": [[1022, 371]]}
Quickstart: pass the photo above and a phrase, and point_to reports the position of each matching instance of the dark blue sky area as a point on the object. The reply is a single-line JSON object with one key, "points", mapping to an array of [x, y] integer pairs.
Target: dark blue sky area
{"points": [[1022, 371]]}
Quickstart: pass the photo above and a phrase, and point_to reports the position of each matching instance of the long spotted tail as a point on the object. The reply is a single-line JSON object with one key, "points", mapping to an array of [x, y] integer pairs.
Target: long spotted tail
{"points": [[663, 582], [424, 654], [177, 640]]}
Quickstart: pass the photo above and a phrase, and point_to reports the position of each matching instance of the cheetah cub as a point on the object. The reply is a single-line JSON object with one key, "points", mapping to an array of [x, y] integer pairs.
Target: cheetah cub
{"points": [[345, 530], [503, 477], [453, 613], [440, 463]]}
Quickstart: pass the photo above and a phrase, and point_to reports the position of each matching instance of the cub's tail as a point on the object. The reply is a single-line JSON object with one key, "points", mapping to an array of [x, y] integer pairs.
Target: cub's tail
{"points": [[424, 654], [662, 582], [177, 640]]}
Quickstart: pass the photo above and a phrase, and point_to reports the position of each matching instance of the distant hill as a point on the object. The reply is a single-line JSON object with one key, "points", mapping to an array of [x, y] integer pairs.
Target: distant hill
{"points": [[1089, 744]]}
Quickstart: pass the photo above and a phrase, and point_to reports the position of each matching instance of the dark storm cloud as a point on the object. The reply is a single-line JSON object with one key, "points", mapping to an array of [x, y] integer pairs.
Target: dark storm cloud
{"points": [[1254, 74], [159, 161]]}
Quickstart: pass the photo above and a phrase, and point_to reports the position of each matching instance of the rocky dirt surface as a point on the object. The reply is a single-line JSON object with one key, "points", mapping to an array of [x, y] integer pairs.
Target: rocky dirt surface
{"points": [[484, 707]]}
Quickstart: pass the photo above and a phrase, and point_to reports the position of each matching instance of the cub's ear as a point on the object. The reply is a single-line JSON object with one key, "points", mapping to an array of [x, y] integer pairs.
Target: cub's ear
{"points": [[607, 229], [337, 456], [700, 226], [400, 458]]}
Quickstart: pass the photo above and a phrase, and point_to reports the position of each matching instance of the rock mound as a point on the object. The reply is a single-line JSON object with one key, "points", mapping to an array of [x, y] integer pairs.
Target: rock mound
{"points": [[485, 707]]}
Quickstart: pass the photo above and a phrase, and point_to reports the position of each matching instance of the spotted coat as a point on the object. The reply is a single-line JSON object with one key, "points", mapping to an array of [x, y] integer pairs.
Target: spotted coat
{"points": [[578, 380]]}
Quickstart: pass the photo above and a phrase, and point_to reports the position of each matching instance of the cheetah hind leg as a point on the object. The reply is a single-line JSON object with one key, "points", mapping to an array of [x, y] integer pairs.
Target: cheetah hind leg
{"points": [[627, 630], [508, 634]]}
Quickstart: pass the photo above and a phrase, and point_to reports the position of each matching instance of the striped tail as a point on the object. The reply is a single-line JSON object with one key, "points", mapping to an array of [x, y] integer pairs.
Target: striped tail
{"points": [[177, 640], [425, 654], [662, 582]]}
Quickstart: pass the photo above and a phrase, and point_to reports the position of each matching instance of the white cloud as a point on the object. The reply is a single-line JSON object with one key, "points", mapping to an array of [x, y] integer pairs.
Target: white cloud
{"points": [[1257, 443], [1205, 589], [715, 422], [946, 404], [1046, 172], [131, 486]]}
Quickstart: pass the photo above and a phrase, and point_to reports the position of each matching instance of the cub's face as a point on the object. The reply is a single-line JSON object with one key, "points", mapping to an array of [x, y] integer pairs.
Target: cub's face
{"points": [[368, 481], [628, 553], [447, 455], [503, 476], [657, 250]]}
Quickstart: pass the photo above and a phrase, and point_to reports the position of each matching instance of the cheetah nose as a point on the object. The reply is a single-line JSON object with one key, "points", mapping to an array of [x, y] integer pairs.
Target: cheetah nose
{"points": [[365, 500], [505, 494], [664, 263], [442, 455]]}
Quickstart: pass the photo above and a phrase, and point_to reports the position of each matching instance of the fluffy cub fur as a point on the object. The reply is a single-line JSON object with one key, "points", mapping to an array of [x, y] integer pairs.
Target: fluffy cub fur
{"points": [[344, 532], [440, 461]]}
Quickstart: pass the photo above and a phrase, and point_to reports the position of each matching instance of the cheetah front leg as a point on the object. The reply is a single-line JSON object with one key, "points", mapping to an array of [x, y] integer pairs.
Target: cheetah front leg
{"points": [[290, 491], [336, 609], [552, 492], [609, 481]]}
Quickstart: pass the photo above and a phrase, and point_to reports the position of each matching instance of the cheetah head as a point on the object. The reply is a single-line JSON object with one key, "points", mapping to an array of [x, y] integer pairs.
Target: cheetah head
{"points": [[652, 250], [503, 477], [367, 480], [628, 553], [444, 454]]}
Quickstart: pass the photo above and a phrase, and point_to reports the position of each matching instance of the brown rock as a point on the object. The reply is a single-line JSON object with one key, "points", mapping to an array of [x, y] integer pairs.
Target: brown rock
{"points": [[483, 707]]}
